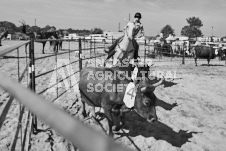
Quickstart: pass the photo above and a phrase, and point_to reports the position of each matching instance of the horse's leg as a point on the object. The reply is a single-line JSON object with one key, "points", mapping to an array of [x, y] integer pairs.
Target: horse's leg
{"points": [[84, 109], [0, 42], [60, 46], [118, 55], [55, 47], [26, 48], [195, 61], [43, 46]]}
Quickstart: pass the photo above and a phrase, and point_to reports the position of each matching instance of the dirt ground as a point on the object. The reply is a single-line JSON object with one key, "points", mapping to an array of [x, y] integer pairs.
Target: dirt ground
{"points": [[191, 110]]}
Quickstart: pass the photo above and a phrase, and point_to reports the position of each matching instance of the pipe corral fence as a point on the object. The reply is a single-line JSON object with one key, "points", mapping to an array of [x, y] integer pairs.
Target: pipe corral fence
{"points": [[30, 107]]}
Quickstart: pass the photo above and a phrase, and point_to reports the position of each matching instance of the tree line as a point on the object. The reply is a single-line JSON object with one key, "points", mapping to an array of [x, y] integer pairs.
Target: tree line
{"points": [[192, 30], [12, 29]]}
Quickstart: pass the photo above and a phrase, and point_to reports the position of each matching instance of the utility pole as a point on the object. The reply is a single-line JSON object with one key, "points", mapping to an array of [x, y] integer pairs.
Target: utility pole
{"points": [[129, 16], [119, 26], [35, 21], [212, 30]]}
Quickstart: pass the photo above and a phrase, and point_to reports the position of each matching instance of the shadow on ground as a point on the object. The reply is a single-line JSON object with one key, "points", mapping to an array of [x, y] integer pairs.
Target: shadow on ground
{"points": [[165, 105], [213, 65], [160, 131]]}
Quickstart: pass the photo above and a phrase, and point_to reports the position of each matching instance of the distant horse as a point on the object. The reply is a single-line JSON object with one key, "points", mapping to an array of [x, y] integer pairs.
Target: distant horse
{"points": [[52, 36], [4, 35], [125, 47], [44, 35]]}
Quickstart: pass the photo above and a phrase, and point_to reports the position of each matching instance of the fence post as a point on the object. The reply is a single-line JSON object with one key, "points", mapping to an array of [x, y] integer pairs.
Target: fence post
{"points": [[171, 52], [69, 54], [94, 48], [145, 53], [160, 51], [183, 62], [80, 53], [32, 79]]}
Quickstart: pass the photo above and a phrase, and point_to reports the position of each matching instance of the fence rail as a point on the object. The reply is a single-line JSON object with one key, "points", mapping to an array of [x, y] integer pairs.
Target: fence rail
{"points": [[12, 48]]}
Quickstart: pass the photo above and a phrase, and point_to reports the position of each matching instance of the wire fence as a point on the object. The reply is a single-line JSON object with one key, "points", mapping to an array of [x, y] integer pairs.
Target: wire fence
{"points": [[22, 73]]}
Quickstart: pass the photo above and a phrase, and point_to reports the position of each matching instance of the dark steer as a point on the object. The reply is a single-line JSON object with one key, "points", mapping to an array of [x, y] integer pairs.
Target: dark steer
{"points": [[204, 52], [107, 90]]}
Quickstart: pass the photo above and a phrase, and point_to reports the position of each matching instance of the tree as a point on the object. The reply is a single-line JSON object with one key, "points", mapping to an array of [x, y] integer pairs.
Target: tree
{"points": [[193, 29], [35, 29], [96, 31], [48, 28], [167, 30], [11, 27]]}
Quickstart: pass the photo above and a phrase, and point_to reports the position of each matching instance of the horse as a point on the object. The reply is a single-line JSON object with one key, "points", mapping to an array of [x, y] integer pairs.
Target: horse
{"points": [[44, 35], [124, 47], [4, 35]]}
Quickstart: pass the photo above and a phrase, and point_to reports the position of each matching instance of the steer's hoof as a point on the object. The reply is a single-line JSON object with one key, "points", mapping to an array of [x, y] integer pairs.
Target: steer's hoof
{"points": [[117, 127], [84, 114]]}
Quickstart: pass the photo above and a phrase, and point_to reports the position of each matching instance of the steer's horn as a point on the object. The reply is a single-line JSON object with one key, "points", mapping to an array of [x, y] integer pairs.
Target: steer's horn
{"points": [[143, 89], [159, 83], [147, 89]]}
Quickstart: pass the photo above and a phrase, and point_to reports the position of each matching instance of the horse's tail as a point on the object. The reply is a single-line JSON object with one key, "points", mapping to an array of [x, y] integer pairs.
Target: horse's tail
{"points": [[23, 27]]}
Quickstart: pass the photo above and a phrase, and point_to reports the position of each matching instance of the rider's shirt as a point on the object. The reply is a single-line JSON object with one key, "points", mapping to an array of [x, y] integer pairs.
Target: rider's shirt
{"points": [[139, 30]]}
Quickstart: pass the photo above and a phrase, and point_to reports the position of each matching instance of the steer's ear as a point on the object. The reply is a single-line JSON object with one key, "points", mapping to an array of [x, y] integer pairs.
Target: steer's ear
{"points": [[150, 88]]}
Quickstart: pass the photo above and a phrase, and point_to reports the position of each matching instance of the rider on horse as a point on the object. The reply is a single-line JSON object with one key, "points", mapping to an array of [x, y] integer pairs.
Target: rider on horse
{"points": [[139, 32]]}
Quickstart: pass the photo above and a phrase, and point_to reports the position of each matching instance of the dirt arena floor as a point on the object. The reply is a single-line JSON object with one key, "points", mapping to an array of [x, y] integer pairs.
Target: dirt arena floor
{"points": [[191, 110]]}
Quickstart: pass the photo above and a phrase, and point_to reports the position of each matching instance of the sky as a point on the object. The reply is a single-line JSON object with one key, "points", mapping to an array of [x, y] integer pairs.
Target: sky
{"points": [[108, 14]]}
